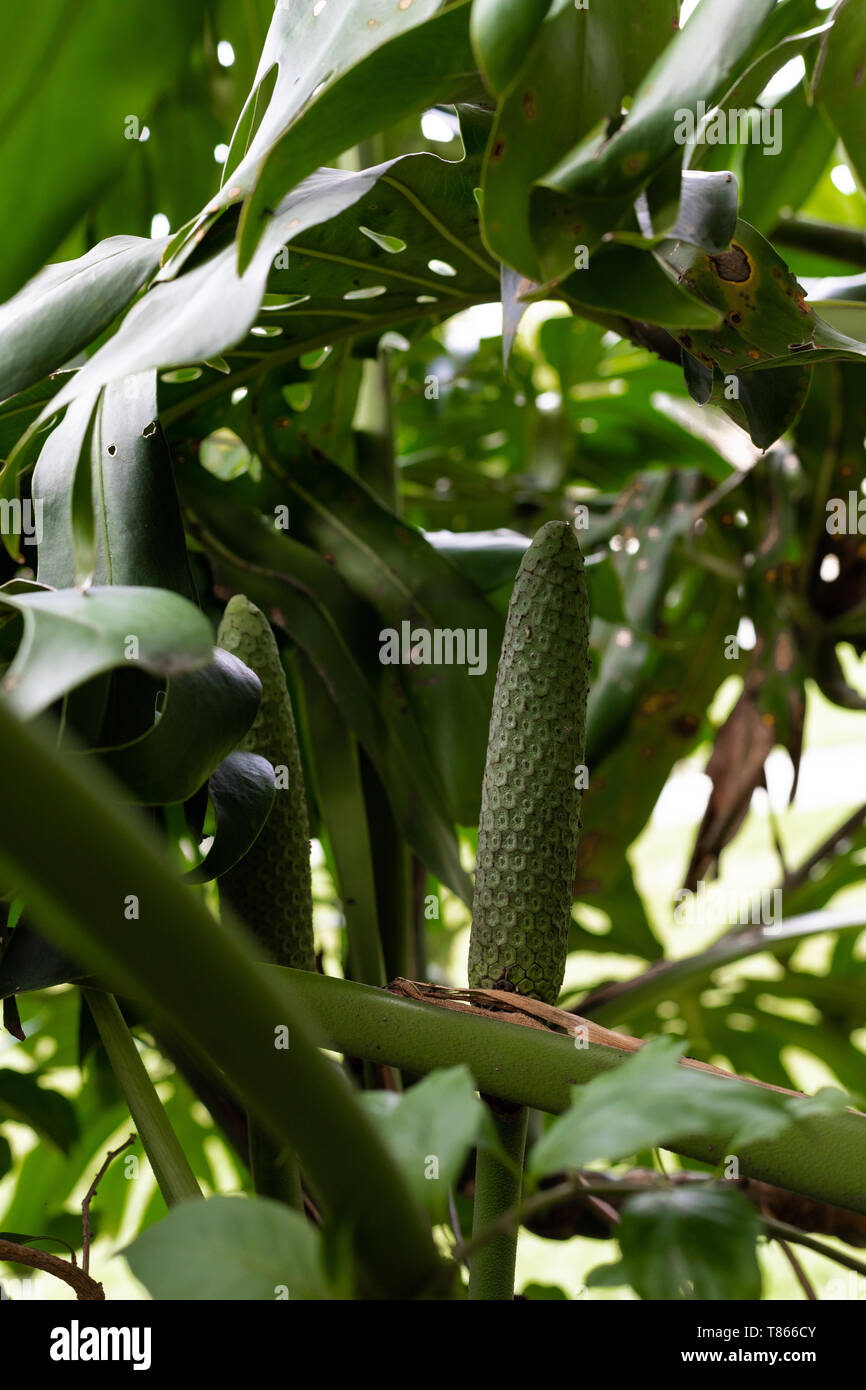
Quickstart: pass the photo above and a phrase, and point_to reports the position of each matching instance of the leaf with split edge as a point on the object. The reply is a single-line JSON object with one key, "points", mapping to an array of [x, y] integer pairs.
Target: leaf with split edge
{"points": [[49, 1113], [140, 539], [301, 593], [242, 792], [67, 305], [420, 199], [303, 50], [206, 713], [581, 65], [70, 636], [426, 58], [694, 1242], [430, 1130], [234, 1248], [209, 308], [122, 59], [594, 184]]}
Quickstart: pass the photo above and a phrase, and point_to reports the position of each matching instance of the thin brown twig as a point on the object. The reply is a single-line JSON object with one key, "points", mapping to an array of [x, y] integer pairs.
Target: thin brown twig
{"points": [[541, 1202], [795, 877], [77, 1279], [800, 1273], [778, 1229], [88, 1198], [603, 1208], [552, 1196]]}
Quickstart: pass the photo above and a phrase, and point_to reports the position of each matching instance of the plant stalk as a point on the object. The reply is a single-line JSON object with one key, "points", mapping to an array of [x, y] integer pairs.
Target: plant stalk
{"points": [[821, 1156], [200, 975], [171, 1169], [498, 1188]]}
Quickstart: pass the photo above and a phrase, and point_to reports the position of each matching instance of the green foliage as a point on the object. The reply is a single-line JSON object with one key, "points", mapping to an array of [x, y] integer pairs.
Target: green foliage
{"points": [[281, 397], [230, 1248], [652, 1099], [684, 1244]]}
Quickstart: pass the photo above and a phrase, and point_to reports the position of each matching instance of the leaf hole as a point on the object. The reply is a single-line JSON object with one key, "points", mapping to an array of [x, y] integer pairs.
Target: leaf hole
{"points": [[393, 244], [369, 292]]}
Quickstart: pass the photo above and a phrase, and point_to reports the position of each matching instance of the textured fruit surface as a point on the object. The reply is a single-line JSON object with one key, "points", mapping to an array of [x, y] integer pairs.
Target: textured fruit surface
{"points": [[270, 888], [530, 808]]}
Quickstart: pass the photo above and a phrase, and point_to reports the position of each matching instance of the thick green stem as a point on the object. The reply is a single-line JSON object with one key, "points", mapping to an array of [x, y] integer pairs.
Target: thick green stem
{"points": [[200, 976], [498, 1187], [173, 1174], [822, 1156]]}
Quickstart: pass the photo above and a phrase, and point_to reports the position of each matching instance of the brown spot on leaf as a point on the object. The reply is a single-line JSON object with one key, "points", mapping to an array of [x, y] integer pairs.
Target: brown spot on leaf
{"points": [[497, 151], [733, 266], [529, 105]]}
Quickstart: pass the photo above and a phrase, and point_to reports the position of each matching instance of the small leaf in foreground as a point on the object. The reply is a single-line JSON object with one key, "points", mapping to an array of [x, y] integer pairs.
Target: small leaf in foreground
{"points": [[237, 1248]]}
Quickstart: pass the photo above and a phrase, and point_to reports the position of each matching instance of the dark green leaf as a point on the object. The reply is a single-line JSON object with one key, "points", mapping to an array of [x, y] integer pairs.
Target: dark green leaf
{"points": [[242, 792], [430, 1130], [230, 1248], [66, 306], [688, 1243], [205, 715], [70, 637]]}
